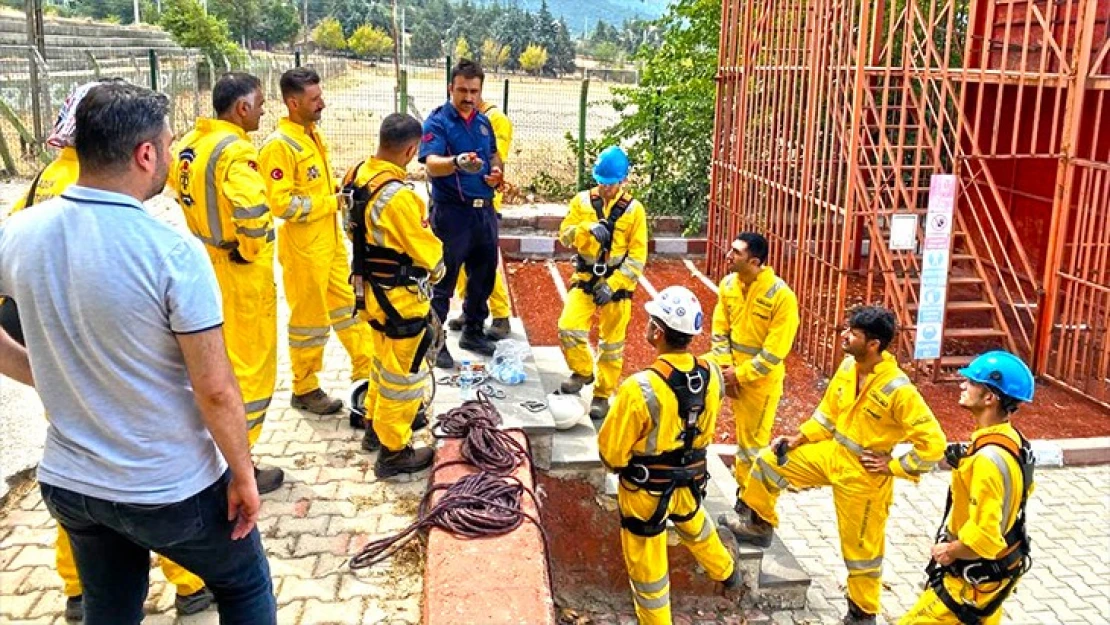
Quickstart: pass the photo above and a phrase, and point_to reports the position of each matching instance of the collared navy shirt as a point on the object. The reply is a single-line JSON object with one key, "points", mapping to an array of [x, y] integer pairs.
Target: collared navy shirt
{"points": [[446, 133]]}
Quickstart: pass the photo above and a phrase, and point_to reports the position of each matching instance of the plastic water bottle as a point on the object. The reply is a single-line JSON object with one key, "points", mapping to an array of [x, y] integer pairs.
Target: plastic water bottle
{"points": [[508, 371], [466, 382]]}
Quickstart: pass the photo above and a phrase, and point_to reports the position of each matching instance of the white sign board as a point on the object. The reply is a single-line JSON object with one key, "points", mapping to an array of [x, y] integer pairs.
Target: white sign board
{"points": [[903, 232], [933, 293]]}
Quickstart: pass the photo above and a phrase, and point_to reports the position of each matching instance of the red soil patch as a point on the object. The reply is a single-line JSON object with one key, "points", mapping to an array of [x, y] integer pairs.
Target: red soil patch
{"points": [[1055, 414]]}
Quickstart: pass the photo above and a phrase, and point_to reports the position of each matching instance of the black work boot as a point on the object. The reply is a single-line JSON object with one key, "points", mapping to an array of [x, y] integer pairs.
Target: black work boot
{"points": [[741, 508], [420, 421], [457, 323], [474, 340], [444, 359], [75, 609], [268, 479], [752, 529], [599, 409], [317, 402], [370, 440], [194, 603], [573, 385], [408, 460], [499, 329], [734, 585], [856, 616]]}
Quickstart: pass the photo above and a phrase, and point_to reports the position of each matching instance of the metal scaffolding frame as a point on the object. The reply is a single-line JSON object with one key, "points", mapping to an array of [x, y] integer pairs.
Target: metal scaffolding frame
{"points": [[832, 117]]}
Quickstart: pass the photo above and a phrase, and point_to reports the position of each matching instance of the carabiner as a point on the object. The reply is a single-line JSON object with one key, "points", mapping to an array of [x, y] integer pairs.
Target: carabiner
{"points": [[694, 382], [600, 269]]}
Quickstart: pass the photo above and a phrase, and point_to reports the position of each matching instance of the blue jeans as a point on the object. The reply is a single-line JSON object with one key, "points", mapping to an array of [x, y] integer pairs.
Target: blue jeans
{"points": [[112, 544], [469, 237]]}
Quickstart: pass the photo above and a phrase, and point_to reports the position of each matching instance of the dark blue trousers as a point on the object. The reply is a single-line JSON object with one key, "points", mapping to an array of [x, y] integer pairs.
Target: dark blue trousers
{"points": [[469, 237]]}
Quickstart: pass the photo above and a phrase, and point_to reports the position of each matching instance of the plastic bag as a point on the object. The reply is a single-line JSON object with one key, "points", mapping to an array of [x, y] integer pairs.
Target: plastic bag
{"points": [[508, 361]]}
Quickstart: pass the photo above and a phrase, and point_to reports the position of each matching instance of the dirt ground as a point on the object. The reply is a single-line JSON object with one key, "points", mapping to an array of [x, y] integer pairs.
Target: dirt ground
{"points": [[1055, 413]]}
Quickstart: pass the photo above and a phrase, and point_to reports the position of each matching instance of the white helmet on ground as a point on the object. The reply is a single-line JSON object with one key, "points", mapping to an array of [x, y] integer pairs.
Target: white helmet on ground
{"points": [[567, 410], [356, 397], [678, 308]]}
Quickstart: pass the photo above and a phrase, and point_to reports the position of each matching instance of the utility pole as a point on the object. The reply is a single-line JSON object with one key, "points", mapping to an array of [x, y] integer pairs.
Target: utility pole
{"points": [[36, 39], [135, 5]]}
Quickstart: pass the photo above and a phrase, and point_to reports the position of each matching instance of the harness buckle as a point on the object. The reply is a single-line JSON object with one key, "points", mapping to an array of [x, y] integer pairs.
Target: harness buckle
{"points": [[634, 476], [694, 382], [971, 579], [600, 269]]}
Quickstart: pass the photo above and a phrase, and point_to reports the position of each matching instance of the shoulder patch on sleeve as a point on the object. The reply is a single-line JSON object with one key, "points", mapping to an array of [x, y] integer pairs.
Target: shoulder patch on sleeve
{"points": [[428, 136], [276, 173]]}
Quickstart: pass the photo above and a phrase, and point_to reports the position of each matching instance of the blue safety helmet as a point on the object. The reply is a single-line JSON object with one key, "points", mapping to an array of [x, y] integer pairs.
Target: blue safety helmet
{"points": [[1003, 372], [611, 166]]}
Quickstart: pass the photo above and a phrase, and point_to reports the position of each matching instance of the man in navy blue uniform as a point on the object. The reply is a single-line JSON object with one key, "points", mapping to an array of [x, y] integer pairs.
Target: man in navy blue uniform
{"points": [[459, 151]]}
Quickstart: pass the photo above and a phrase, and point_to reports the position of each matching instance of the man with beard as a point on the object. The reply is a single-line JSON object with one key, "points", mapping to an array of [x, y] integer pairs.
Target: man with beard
{"points": [[302, 190], [147, 445], [215, 174], [869, 406]]}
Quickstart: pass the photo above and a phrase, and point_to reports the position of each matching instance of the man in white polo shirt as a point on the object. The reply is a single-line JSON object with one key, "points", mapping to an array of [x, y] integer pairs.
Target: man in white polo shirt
{"points": [[147, 444]]}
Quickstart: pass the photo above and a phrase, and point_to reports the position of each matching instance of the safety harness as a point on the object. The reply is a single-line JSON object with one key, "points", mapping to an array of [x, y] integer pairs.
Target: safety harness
{"points": [[1015, 559], [601, 269], [684, 467], [383, 268]]}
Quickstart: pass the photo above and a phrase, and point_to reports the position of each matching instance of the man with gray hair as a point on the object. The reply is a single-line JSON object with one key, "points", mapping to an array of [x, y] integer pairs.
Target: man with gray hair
{"points": [[147, 444]]}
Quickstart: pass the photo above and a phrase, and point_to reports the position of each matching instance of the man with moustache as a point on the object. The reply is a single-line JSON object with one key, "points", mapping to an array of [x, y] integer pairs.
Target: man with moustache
{"points": [[147, 445], [302, 190], [869, 406], [223, 196]]}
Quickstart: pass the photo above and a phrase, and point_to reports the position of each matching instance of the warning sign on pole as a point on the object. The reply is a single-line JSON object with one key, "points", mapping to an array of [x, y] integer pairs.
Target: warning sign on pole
{"points": [[935, 262]]}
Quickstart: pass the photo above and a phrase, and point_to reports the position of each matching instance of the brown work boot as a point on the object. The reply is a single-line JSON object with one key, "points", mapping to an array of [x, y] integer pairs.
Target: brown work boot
{"points": [[573, 385], [752, 530], [856, 616], [317, 402], [498, 329], [408, 460], [268, 479], [599, 409], [457, 323], [734, 585], [370, 440], [194, 603], [741, 508], [75, 609]]}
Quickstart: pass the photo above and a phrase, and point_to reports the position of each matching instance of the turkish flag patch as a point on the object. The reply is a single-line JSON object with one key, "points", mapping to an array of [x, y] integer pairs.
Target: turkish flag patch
{"points": [[277, 174], [253, 165], [428, 137]]}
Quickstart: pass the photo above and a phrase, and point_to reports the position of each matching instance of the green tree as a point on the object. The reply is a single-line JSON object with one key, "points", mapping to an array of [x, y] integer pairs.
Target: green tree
{"points": [[426, 42], [370, 41], [606, 53], [243, 18], [674, 103], [494, 55], [462, 49], [191, 27], [280, 23], [533, 59], [328, 34]]}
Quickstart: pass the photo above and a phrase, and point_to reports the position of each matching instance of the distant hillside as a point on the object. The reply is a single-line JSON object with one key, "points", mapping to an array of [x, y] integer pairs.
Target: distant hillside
{"points": [[577, 12]]}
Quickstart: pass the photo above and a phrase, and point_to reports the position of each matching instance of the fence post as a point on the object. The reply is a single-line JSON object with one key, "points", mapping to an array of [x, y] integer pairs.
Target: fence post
{"points": [[582, 134], [93, 62], [505, 98], [297, 58], [36, 97], [447, 72], [654, 145], [153, 69], [404, 91]]}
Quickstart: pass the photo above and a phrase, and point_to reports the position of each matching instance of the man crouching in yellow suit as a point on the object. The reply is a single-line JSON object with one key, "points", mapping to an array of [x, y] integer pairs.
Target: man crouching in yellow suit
{"points": [[655, 437], [396, 260]]}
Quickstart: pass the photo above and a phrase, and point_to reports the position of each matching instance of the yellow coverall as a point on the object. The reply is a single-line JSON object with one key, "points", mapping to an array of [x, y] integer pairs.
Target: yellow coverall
{"points": [[215, 174], [499, 306], [753, 330], [56, 178], [629, 243], [313, 255], [645, 421], [851, 419], [397, 218], [986, 496]]}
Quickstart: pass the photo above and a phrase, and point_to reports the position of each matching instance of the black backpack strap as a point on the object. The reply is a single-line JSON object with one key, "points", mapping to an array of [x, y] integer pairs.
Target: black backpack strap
{"points": [[32, 192]]}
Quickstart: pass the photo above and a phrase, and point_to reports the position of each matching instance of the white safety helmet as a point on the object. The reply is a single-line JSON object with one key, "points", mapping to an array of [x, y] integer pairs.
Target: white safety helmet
{"points": [[567, 410], [356, 397], [678, 308]]}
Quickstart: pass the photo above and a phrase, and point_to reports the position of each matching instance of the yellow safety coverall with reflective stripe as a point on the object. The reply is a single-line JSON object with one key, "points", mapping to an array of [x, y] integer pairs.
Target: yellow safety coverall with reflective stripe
{"points": [[56, 178], [396, 218], [499, 306], [630, 243], [313, 255], [854, 416], [645, 421], [220, 190], [986, 497], [753, 330]]}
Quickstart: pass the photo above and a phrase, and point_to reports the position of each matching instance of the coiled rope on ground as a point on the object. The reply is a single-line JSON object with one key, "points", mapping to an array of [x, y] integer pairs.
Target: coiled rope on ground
{"points": [[479, 505]]}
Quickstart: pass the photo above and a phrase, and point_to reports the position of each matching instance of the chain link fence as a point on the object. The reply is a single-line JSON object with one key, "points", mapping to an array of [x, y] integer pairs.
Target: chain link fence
{"points": [[550, 116]]}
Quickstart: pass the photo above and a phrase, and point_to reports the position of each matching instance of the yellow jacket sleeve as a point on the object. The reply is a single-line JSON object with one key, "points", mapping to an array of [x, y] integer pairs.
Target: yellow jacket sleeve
{"points": [[574, 231], [503, 132], [923, 432], [821, 425], [279, 160], [633, 267], [780, 338], [20, 204], [982, 532], [720, 340], [246, 193], [628, 422], [410, 220]]}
